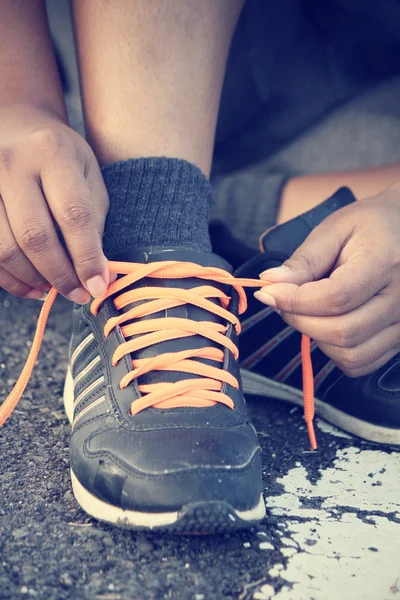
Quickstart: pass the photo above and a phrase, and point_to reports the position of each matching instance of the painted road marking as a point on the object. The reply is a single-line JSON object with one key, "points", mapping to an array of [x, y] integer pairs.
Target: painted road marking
{"points": [[347, 545]]}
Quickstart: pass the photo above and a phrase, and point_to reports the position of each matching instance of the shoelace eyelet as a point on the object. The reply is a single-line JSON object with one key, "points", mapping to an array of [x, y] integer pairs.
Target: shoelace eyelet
{"points": [[152, 397]]}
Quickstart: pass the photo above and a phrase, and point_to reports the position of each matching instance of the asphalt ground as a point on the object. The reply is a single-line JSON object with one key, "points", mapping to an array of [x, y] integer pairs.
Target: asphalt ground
{"points": [[50, 549]]}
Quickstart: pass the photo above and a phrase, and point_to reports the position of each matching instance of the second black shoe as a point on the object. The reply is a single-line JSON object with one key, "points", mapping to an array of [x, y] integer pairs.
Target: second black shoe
{"points": [[270, 356]]}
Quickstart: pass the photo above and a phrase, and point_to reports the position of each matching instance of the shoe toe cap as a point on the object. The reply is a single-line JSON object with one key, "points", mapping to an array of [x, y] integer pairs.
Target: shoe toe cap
{"points": [[166, 470]]}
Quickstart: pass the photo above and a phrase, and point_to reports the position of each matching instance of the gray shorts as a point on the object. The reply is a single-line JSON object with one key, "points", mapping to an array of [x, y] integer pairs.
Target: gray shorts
{"points": [[310, 87]]}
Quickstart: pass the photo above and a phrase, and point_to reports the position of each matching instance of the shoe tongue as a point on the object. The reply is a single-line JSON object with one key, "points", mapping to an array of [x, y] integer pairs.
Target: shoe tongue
{"points": [[286, 238], [188, 311], [158, 253]]}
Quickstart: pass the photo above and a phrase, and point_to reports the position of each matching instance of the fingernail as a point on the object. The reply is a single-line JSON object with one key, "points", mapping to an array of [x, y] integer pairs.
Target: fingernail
{"points": [[79, 295], [265, 298], [96, 286], [36, 295], [274, 271]]}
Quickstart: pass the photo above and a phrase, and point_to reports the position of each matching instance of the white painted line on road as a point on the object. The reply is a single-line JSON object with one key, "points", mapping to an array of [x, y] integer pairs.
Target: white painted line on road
{"points": [[348, 547]]}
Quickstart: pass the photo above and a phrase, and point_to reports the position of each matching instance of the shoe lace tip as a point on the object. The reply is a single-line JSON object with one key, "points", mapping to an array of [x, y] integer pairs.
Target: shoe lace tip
{"points": [[311, 435]]}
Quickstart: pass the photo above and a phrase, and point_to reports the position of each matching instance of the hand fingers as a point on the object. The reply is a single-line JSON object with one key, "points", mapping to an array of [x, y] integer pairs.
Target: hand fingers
{"points": [[98, 194], [16, 287], [349, 286], [368, 356], [353, 328], [69, 197], [300, 285], [315, 257], [13, 260], [35, 233]]}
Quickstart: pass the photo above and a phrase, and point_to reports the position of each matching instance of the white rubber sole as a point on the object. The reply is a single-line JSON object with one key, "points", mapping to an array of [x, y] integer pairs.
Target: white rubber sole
{"points": [[69, 396], [130, 518], [221, 515], [258, 385]]}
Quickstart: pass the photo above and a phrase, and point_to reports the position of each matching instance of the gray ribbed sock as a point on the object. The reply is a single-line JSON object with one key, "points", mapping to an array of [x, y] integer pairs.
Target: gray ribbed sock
{"points": [[156, 201]]}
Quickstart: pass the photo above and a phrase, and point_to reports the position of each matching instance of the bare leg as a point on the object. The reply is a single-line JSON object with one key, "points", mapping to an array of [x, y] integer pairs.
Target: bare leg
{"points": [[152, 72], [303, 193]]}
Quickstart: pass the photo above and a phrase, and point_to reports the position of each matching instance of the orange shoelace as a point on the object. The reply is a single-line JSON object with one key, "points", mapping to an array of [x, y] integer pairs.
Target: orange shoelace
{"points": [[205, 389]]}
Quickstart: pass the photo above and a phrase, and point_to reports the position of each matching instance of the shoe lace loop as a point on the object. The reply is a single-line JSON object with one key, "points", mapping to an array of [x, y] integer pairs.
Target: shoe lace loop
{"points": [[206, 387]]}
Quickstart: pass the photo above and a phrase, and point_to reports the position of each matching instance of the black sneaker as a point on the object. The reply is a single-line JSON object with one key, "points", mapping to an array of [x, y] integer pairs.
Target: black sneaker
{"points": [[270, 357], [161, 437]]}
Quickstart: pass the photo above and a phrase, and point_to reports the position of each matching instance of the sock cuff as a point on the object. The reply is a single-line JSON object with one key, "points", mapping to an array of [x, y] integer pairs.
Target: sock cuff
{"points": [[156, 200], [164, 172]]}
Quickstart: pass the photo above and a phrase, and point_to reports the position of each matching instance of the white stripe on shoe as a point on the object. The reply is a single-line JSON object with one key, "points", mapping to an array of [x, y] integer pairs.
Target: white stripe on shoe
{"points": [[89, 407], [246, 324], [292, 365], [81, 347], [263, 351], [86, 370], [88, 390]]}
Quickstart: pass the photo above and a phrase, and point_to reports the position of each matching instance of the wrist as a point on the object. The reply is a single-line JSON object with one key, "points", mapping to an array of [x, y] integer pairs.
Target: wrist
{"points": [[31, 113]]}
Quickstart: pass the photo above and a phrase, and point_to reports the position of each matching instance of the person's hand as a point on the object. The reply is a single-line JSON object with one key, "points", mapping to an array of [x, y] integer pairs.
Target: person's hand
{"points": [[342, 286], [53, 205]]}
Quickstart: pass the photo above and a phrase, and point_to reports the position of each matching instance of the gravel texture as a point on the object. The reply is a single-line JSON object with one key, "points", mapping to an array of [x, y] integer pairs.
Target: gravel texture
{"points": [[50, 549]]}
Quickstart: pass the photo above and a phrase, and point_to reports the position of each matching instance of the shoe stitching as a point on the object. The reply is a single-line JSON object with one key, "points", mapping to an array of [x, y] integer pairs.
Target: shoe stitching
{"points": [[202, 471]]}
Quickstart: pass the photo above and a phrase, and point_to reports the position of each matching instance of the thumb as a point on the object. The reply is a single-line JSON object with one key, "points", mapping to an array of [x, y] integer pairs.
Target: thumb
{"points": [[314, 259]]}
